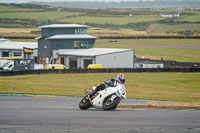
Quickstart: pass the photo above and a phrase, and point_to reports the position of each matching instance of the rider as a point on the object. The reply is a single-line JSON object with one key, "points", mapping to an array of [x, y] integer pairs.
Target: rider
{"points": [[109, 82]]}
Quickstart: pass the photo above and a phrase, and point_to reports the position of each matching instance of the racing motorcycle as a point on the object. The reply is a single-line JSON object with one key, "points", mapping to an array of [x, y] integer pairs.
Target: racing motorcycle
{"points": [[106, 99]]}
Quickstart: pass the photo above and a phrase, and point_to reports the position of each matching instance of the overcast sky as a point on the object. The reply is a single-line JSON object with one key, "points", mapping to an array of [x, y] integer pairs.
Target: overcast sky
{"points": [[22, 1]]}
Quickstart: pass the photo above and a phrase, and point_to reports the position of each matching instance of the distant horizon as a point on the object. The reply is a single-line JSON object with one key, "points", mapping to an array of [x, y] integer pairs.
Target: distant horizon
{"points": [[26, 1]]}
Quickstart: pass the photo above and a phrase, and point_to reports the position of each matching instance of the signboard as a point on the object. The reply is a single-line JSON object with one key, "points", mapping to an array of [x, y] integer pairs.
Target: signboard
{"points": [[28, 51]]}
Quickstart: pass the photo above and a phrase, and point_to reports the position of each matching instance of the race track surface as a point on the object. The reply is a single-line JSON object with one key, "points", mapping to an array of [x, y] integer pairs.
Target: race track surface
{"points": [[62, 115]]}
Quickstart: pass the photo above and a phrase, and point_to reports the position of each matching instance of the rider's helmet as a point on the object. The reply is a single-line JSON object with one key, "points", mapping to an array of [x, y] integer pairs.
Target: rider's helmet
{"points": [[121, 78]]}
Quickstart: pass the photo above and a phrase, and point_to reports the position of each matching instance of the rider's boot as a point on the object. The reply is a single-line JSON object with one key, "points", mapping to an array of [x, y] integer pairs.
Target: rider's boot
{"points": [[92, 93], [96, 89]]}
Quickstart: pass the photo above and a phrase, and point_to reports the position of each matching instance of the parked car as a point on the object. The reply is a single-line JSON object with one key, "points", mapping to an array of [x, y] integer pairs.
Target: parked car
{"points": [[55, 66], [94, 66]]}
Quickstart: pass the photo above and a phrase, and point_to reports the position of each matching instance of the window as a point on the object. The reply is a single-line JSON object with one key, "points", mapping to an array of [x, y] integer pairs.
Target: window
{"points": [[23, 62], [35, 59], [17, 53], [80, 31], [76, 44], [83, 44], [5, 54]]}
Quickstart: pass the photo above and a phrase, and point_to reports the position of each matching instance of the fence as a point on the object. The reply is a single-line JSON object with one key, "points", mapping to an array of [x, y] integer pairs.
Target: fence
{"points": [[116, 70]]}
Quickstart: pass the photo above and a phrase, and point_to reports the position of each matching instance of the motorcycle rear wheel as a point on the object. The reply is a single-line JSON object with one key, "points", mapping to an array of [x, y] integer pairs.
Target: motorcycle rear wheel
{"points": [[110, 105], [85, 103]]}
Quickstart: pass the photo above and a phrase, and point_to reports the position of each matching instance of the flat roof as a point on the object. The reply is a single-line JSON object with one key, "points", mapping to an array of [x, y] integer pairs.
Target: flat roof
{"points": [[64, 26], [3, 40], [72, 36], [18, 45], [91, 51]]}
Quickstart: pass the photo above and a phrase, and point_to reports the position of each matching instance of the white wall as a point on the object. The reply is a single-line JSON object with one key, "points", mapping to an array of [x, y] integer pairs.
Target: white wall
{"points": [[80, 60], [145, 65], [11, 52], [116, 60]]}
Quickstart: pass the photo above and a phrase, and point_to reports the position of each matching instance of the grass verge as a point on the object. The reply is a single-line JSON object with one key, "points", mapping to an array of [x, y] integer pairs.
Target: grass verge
{"points": [[176, 50], [163, 105], [180, 87]]}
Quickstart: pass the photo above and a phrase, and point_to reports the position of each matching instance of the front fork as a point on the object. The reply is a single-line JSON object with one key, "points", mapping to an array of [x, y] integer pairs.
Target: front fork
{"points": [[87, 94], [90, 99]]}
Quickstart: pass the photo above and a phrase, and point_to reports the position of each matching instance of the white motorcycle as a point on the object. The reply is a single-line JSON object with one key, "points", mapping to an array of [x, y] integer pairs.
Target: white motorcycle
{"points": [[106, 99]]}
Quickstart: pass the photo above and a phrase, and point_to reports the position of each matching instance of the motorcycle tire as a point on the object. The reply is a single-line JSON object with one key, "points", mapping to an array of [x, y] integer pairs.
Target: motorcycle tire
{"points": [[84, 103], [112, 105]]}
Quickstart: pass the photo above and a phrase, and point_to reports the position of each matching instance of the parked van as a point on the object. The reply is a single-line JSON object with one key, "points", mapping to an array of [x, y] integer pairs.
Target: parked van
{"points": [[3, 62], [55, 66], [94, 66], [9, 66]]}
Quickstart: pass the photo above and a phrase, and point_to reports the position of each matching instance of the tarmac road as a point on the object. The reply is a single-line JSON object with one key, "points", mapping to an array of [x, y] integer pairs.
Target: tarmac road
{"points": [[61, 114]]}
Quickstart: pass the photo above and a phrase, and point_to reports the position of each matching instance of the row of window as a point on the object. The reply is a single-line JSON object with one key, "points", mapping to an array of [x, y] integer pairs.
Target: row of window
{"points": [[6, 53], [77, 31], [83, 44], [80, 31]]}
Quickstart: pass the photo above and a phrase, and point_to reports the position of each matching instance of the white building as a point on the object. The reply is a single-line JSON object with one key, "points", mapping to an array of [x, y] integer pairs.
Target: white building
{"points": [[147, 63], [15, 49], [107, 57], [170, 15]]}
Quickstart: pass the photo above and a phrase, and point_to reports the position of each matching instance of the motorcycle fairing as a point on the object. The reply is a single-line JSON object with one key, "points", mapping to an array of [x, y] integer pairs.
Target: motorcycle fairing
{"points": [[99, 99]]}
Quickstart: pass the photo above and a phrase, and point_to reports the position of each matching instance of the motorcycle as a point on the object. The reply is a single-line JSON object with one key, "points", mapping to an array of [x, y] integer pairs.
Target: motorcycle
{"points": [[106, 99]]}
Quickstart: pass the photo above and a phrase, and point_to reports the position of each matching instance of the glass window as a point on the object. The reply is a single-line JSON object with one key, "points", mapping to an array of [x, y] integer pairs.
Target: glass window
{"points": [[76, 44], [83, 44], [23, 62], [5, 54], [17, 53], [80, 31]]}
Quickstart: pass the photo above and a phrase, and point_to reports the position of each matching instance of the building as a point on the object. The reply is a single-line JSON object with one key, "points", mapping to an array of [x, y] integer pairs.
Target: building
{"points": [[62, 36], [148, 63], [107, 57], [68, 44], [169, 15], [4, 40], [16, 49]]}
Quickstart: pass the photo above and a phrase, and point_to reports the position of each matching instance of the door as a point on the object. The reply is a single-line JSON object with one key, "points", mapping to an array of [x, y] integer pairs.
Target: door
{"points": [[73, 63], [62, 60], [87, 62]]}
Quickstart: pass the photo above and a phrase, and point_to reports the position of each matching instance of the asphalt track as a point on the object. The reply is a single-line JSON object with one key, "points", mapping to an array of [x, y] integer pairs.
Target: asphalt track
{"points": [[61, 115]]}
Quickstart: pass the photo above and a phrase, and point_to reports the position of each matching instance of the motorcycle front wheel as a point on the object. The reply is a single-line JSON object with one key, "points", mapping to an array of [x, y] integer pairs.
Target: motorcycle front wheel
{"points": [[85, 103], [111, 104]]}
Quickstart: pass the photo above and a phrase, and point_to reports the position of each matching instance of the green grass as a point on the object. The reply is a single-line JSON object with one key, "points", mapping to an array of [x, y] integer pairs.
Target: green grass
{"points": [[11, 25], [4, 8], [112, 20], [37, 15], [153, 41], [24, 40], [156, 52], [195, 18], [153, 86], [169, 53], [166, 28]]}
